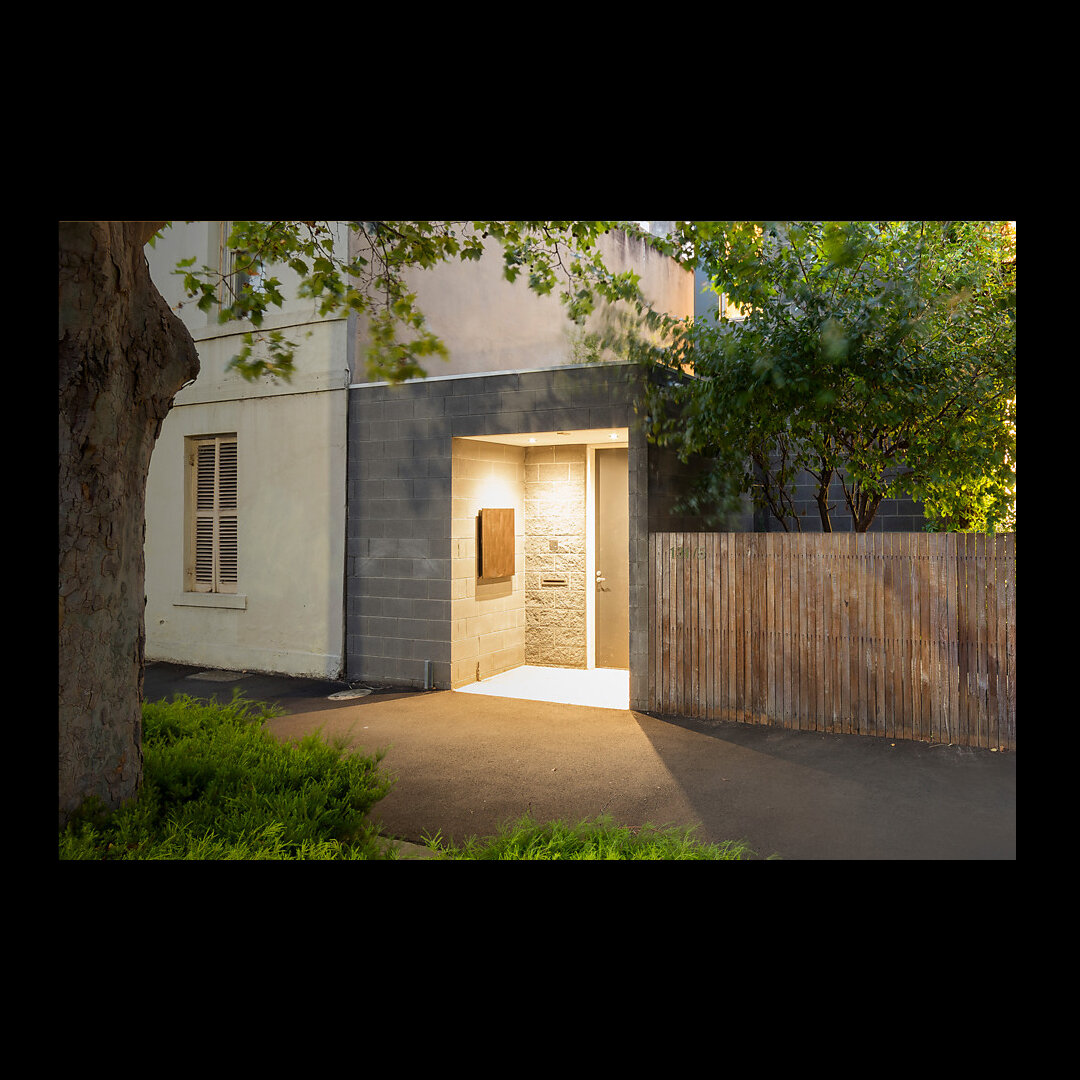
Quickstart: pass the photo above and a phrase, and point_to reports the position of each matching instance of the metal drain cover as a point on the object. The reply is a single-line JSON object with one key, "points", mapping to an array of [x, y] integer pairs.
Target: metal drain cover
{"points": [[343, 695], [218, 676]]}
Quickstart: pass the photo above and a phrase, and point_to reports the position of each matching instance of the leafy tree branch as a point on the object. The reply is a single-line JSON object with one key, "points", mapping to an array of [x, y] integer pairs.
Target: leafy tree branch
{"points": [[370, 280]]}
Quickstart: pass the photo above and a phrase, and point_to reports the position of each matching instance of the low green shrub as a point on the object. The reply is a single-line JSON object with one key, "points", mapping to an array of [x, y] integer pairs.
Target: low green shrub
{"points": [[218, 785]]}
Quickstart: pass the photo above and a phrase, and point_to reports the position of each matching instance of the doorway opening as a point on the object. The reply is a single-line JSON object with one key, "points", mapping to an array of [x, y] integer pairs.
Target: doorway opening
{"points": [[564, 612]]}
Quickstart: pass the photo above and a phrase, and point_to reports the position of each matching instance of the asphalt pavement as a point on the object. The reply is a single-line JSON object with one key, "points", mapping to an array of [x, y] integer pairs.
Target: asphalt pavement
{"points": [[466, 764]]}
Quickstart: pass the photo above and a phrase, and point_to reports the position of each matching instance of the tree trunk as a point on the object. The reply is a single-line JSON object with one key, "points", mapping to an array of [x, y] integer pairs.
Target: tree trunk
{"points": [[123, 357], [863, 511], [824, 479]]}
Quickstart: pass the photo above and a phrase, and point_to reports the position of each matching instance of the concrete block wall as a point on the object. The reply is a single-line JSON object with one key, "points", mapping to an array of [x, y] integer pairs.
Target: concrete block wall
{"points": [[555, 626], [400, 533], [671, 480], [893, 515], [397, 551]]}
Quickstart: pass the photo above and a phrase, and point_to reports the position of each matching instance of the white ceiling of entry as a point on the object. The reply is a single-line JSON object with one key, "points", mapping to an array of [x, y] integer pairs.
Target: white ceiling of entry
{"points": [[595, 436]]}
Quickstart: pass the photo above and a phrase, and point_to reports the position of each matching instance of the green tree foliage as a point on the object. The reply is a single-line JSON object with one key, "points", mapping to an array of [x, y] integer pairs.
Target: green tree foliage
{"points": [[370, 279], [882, 354]]}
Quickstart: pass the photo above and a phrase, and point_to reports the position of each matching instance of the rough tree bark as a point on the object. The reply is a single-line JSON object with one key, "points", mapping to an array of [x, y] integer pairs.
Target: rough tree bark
{"points": [[123, 357]]}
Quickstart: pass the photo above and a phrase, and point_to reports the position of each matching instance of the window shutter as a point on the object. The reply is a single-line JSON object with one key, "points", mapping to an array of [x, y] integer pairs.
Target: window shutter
{"points": [[205, 484], [215, 555], [227, 519]]}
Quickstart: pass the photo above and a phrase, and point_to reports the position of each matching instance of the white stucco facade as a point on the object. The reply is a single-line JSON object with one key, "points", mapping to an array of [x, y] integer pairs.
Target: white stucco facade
{"points": [[286, 613], [489, 324]]}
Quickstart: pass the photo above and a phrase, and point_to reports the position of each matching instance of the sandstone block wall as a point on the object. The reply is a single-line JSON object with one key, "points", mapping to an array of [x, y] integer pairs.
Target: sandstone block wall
{"points": [[555, 627]]}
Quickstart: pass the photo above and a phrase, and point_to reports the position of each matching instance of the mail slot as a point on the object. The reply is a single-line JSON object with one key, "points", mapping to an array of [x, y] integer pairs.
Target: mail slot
{"points": [[495, 554], [553, 581]]}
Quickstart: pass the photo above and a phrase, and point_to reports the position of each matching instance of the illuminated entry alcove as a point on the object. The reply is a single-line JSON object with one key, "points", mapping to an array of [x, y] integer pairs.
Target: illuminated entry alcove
{"points": [[525, 582]]}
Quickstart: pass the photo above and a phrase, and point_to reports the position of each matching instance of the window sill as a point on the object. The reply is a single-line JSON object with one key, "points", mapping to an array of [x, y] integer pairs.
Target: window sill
{"points": [[234, 601]]}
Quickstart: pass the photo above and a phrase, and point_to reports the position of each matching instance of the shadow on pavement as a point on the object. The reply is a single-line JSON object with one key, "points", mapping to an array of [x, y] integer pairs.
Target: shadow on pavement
{"points": [[824, 796]]}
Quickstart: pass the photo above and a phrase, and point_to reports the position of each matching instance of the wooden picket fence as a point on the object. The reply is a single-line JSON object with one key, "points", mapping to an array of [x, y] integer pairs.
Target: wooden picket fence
{"points": [[900, 635]]}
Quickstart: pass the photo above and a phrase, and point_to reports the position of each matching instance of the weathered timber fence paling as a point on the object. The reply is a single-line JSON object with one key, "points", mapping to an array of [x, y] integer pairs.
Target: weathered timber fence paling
{"points": [[901, 635]]}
